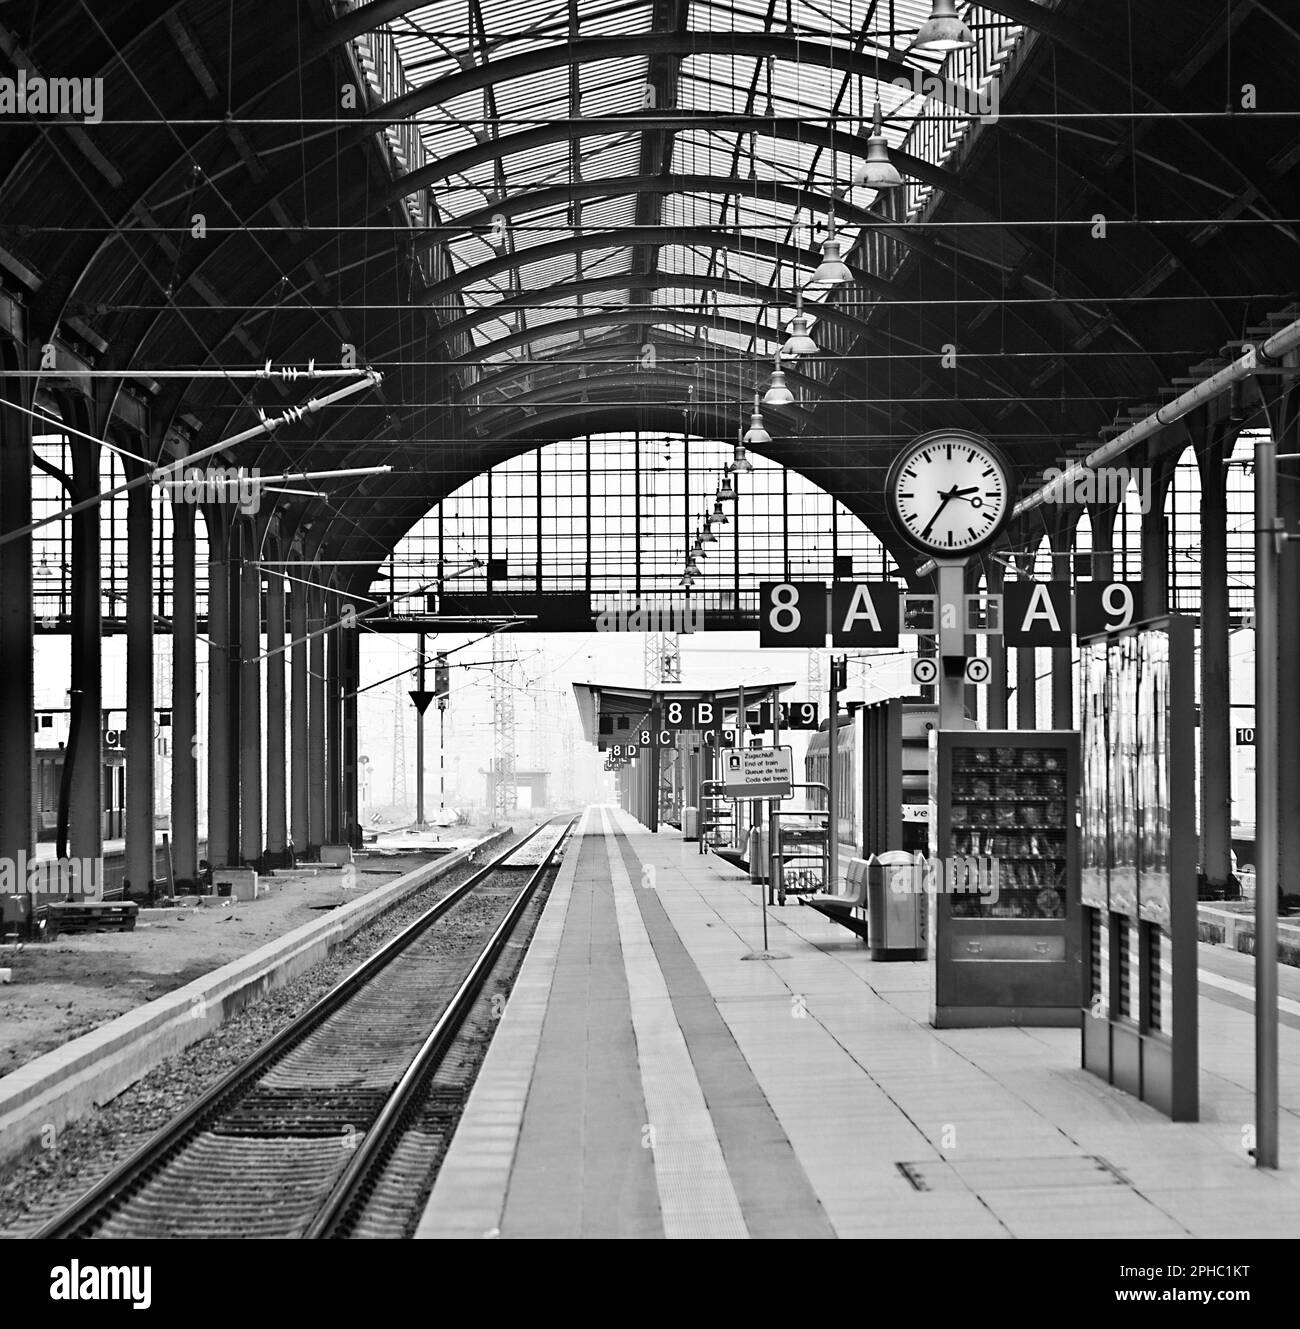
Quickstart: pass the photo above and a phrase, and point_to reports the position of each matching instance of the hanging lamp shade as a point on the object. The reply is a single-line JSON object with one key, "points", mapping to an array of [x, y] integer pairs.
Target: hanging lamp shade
{"points": [[717, 517], [687, 581], [777, 393], [726, 490], [832, 270], [740, 464], [705, 534], [943, 30], [799, 342], [877, 171], [756, 435]]}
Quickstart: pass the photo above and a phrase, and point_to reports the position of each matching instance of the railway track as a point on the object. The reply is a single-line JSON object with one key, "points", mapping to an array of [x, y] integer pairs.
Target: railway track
{"points": [[337, 1121]]}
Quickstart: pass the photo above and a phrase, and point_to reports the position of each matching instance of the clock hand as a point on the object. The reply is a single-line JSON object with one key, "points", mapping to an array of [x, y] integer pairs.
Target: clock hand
{"points": [[925, 534]]}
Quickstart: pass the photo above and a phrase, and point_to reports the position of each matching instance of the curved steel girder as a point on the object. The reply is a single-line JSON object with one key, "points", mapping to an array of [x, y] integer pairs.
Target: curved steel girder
{"points": [[549, 198], [485, 422], [626, 352], [359, 21], [844, 144], [637, 316], [584, 50], [626, 237]]}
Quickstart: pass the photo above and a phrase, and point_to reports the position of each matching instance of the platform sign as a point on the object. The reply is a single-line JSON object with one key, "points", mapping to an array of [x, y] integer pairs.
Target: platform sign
{"points": [[864, 613], [792, 613], [719, 738], [794, 715], [704, 715], [1106, 606], [656, 737], [758, 773], [678, 713], [1037, 613]]}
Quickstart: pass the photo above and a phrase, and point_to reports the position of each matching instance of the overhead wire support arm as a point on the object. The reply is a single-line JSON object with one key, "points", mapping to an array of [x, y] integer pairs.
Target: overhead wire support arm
{"points": [[293, 415], [285, 374]]}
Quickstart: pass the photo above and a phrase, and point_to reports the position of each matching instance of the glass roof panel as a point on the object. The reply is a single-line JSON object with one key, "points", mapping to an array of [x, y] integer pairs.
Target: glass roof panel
{"points": [[443, 40]]}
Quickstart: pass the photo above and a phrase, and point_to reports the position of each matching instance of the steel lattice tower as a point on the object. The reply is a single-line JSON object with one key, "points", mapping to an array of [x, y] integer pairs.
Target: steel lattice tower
{"points": [[505, 786], [814, 675], [399, 748], [663, 658]]}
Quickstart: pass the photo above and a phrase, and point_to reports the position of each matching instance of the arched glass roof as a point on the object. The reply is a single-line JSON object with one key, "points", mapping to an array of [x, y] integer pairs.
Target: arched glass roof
{"points": [[695, 215]]}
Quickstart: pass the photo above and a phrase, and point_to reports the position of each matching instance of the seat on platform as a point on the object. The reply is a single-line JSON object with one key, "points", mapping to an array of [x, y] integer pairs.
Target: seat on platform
{"points": [[840, 908]]}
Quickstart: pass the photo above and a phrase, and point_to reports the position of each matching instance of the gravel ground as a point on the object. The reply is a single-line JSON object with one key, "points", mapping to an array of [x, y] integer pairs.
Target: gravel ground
{"points": [[36, 1187]]}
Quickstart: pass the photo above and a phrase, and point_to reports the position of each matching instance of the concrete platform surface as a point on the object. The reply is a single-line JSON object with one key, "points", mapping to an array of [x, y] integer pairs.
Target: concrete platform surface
{"points": [[649, 1081]]}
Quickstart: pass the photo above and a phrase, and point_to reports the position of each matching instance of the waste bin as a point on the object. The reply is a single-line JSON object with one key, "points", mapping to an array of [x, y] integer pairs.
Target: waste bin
{"points": [[690, 823], [896, 905], [757, 847]]}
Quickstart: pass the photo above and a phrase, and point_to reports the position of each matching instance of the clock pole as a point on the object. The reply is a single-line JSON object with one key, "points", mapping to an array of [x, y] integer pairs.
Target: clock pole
{"points": [[951, 640]]}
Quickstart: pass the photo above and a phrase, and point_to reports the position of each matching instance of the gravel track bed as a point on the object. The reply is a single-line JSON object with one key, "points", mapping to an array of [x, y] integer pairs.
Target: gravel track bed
{"points": [[36, 1187], [402, 1189]]}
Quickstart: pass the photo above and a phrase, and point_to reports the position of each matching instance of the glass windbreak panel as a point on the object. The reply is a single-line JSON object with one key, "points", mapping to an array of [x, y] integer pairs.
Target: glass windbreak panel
{"points": [[1153, 734], [1123, 777], [1099, 966], [1133, 967], [1162, 980], [1007, 846], [1096, 829]]}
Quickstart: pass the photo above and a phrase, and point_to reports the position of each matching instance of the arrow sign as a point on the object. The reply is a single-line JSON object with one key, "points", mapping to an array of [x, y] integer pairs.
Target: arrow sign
{"points": [[421, 700]]}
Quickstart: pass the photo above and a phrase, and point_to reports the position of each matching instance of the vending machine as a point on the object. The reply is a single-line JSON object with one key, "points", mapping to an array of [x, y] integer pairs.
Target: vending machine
{"points": [[1002, 881]]}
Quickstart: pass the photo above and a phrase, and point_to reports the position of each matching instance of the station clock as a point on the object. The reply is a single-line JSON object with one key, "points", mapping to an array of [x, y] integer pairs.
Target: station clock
{"points": [[949, 492]]}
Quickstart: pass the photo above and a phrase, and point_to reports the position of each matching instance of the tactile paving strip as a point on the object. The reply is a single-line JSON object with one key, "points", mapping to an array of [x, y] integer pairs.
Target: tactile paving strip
{"points": [[696, 1194]]}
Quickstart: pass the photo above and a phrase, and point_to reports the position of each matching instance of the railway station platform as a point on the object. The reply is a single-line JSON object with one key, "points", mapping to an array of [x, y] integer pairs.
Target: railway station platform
{"points": [[646, 1081]]}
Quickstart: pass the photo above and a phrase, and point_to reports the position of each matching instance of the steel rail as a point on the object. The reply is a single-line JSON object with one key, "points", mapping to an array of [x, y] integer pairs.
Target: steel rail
{"points": [[357, 1178], [121, 1184]]}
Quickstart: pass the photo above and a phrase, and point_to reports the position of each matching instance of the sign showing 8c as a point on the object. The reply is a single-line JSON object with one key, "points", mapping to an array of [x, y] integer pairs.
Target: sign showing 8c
{"points": [[661, 738]]}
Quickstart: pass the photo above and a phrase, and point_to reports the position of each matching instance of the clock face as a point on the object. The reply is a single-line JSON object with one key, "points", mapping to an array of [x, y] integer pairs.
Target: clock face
{"points": [[950, 492]]}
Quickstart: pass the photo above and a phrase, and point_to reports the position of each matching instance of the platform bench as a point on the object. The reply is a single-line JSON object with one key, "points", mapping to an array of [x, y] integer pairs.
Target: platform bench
{"points": [[842, 909]]}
